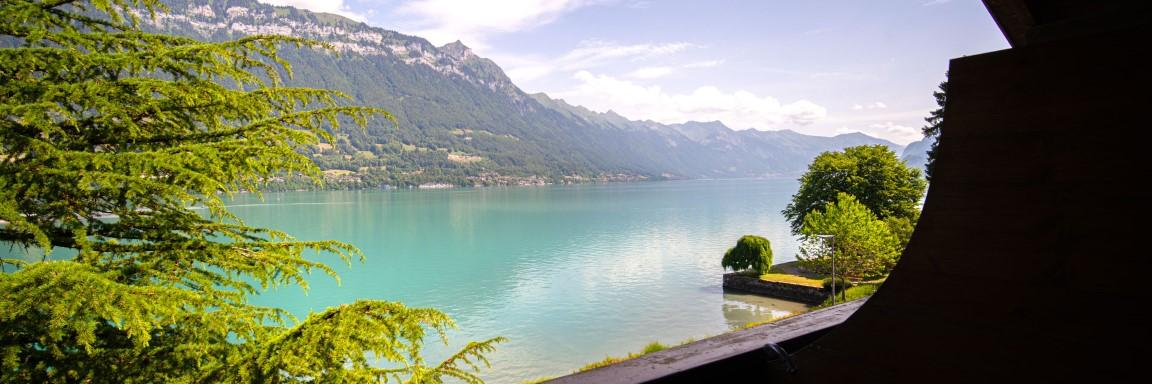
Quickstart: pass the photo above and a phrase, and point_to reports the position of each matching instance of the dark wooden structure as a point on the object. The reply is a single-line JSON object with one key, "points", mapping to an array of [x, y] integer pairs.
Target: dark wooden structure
{"points": [[1029, 262]]}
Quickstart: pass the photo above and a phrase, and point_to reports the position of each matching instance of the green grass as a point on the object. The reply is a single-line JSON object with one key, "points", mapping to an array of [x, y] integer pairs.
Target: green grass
{"points": [[607, 361], [791, 279], [858, 292], [652, 347]]}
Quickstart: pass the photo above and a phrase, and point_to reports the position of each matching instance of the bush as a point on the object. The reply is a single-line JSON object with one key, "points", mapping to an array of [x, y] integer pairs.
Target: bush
{"points": [[750, 253], [654, 346], [841, 284]]}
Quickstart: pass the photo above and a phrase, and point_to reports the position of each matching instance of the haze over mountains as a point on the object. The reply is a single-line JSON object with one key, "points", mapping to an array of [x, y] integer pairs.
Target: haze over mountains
{"points": [[462, 121]]}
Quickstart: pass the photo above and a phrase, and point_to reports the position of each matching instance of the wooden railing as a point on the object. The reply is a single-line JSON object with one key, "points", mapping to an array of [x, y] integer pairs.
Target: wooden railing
{"points": [[667, 364]]}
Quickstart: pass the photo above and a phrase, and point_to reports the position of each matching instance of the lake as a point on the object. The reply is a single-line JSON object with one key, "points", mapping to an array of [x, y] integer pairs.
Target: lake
{"points": [[570, 274]]}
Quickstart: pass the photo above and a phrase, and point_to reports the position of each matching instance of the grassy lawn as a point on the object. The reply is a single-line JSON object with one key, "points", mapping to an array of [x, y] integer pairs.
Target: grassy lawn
{"points": [[791, 279], [858, 292]]}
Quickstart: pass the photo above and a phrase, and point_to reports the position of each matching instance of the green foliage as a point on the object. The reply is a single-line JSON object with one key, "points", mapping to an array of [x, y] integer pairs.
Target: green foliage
{"points": [[750, 253], [609, 360], [902, 228], [841, 284], [654, 346], [873, 174], [855, 293], [935, 122], [110, 138], [864, 246], [331, 346]]}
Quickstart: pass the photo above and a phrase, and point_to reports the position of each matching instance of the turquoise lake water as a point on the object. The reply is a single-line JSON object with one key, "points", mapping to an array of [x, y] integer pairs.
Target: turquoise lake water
{"points": [[569, 274]]}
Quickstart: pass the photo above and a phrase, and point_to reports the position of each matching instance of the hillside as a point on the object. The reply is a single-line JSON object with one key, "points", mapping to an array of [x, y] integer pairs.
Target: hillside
{"points": [[916, 153], [462, 121]]}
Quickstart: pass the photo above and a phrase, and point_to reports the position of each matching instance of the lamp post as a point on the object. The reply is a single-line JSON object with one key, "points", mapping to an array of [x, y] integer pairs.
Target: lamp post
{"points": [[832, 239]]}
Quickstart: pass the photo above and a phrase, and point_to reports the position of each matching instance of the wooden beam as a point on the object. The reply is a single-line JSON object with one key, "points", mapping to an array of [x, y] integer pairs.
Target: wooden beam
{"points": [[671, 361], [1013, 18]]}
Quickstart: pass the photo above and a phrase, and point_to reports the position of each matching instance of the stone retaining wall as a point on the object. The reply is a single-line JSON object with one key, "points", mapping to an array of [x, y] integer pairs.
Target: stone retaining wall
{"points": [[784, 291]]}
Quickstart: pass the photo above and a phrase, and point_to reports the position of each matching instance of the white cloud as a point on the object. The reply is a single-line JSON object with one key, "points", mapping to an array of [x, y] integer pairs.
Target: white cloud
{"points": [[704, 64], [593, 53], [472, 21], [876, 105], [900, 134], [527, 73], [587, 55], [739, 109], [329, 6], [650, 72], [823, 75]]}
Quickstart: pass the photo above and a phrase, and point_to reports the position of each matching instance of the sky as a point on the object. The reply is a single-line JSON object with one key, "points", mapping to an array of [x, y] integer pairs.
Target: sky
{"points": [[815, 67]]}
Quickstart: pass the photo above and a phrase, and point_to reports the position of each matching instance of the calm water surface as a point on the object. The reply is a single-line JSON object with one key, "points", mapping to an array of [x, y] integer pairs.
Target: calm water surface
{"points": [[570, 274]]}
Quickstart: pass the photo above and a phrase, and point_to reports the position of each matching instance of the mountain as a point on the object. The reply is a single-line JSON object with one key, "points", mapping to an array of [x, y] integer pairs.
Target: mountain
{"points": [[916, 153], [461, 120]]}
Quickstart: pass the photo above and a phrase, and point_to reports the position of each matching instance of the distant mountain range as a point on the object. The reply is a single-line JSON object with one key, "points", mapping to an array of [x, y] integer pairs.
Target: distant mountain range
{"points": [[462, 121], [916, 153]]}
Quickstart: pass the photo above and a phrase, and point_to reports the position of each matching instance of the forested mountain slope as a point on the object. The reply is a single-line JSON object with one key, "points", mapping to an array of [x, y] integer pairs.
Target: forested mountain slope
{"points": [[461, 120]]}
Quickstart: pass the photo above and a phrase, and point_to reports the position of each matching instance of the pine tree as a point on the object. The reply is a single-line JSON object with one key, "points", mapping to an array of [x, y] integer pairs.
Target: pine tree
{"points": [[116, 150], [935, 121]]}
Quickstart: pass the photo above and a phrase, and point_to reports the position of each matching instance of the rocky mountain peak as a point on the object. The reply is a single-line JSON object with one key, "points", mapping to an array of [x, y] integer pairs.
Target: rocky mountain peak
{"points": [[226, 19], [457, 50]]}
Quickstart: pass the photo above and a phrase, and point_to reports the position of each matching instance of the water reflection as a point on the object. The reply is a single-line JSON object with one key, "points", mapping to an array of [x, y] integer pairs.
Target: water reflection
{"points": [[741, 309]]}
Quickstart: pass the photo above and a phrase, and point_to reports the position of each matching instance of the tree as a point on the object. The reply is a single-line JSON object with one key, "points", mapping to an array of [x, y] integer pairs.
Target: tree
{"points": [[935, 121], [750, 253], [108, 136], [902, 228], [873, 174], [864, 246]]}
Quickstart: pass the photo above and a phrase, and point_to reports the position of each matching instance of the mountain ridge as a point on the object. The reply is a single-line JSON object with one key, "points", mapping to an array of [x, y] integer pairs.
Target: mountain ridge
{"points": [[462, 121]]}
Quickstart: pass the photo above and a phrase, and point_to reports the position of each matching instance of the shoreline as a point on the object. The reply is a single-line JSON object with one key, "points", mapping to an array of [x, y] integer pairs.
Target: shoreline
{"points": [[446, 186]]}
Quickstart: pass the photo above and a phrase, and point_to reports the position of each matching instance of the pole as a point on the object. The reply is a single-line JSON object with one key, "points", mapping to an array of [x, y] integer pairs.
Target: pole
{"points": [[833, 238]]}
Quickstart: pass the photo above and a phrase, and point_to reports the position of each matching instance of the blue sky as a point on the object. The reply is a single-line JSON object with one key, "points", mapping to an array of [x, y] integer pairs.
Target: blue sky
{"points": [[816, 67]]}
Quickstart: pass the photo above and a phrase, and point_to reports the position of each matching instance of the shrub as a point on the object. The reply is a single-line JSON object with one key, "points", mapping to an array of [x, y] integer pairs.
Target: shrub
{"points": [[841, 284], [654, 346], [750, 253]]}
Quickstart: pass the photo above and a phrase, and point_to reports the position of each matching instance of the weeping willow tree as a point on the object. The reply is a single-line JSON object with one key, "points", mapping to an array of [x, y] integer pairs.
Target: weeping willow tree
{"points": [[116, 149]]}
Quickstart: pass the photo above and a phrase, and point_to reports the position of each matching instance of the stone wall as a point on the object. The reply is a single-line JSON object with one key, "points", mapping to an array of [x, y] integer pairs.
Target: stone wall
{"points": [[784, 291]]}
